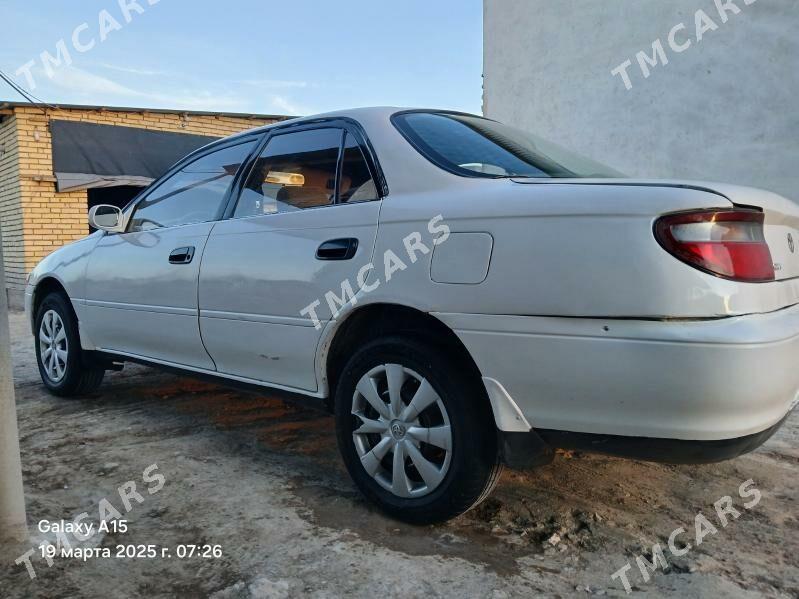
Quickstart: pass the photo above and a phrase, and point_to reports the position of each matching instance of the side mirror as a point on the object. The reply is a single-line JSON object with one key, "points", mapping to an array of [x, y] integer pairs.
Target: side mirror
{"points": [[106, 218]]}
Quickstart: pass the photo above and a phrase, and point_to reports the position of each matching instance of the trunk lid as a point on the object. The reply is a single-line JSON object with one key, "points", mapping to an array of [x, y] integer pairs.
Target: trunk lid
{"points": [[780, 227]]}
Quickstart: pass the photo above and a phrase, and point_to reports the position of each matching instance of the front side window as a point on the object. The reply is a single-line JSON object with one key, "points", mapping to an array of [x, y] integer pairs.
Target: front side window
{"points": [[478, 147], [293, 172], [194, 194]]}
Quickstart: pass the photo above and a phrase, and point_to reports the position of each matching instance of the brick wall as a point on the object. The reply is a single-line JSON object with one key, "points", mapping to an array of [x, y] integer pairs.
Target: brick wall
{"points": [[37, 220], [10, 206]]}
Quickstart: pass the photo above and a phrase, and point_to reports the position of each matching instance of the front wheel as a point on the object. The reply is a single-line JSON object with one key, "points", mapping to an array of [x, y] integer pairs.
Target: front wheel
{"points": [[416, 433], [63, 365]]}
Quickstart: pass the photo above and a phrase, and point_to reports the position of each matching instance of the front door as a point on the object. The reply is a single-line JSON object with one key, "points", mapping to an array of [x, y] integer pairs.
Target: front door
{"points": [[141, 285], [304, 225]]}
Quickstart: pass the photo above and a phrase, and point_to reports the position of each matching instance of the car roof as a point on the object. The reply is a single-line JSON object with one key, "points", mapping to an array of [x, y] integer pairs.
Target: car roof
{"points": [[369, 113], [354, 113]]}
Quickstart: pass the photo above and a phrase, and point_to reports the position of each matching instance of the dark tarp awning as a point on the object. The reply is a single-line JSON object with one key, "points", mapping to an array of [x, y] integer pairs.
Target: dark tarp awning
{"points": [[90, 155]]}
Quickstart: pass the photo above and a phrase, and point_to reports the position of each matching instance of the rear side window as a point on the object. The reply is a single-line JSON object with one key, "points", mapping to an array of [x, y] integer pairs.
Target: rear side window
{"points": [[356, 183], [476, 147], [293, 172], [194, 194]]}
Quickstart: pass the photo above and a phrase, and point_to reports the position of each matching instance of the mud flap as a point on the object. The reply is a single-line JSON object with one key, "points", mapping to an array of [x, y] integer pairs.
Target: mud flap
{"points": [[524, 451]]}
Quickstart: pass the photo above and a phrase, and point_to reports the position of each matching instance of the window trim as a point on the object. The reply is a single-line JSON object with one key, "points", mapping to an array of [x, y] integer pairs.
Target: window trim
{"points": [[339, 163], [198, 154], [347, 125]]}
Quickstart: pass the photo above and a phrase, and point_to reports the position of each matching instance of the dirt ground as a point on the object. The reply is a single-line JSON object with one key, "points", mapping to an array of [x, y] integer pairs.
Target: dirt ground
{"points": [[262, 479]]}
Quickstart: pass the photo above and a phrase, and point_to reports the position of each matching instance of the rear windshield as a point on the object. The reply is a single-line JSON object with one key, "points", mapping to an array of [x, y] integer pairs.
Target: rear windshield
{"points": [[477, 147]]}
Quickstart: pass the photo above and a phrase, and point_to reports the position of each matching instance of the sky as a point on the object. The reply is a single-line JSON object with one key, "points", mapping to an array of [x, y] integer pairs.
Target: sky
{"points": [[296, 58]]}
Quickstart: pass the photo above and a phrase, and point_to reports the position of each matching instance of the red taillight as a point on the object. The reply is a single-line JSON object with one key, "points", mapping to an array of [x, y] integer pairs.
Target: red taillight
{"points": [[726, 243]]}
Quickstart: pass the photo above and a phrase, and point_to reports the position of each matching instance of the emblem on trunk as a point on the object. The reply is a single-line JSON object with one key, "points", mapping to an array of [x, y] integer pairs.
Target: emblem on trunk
{"points": [[790, 243]]}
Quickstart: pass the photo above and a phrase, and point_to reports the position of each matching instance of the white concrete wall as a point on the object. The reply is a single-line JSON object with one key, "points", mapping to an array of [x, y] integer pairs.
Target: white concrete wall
{"points": [[725, 109]]}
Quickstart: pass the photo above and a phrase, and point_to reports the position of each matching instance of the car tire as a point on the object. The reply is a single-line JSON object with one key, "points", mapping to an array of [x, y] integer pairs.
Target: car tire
{"points": [[66, 370], [387, 448]]}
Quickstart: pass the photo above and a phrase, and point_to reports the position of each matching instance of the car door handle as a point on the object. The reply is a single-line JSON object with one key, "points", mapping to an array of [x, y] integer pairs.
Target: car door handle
{"points": [[182, 255], [337, 249]]}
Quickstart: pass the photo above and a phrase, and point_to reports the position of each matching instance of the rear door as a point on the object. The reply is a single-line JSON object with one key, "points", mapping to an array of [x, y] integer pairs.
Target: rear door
{"points": [[141, 285], [304, 225]]}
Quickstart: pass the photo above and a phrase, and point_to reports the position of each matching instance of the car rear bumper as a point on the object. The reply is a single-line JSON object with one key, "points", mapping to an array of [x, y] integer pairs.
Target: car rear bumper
{"points": [[697, 380]]}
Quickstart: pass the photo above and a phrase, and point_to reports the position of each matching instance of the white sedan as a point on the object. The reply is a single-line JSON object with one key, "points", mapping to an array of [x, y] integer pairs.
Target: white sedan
{"points": [[461, 294]]}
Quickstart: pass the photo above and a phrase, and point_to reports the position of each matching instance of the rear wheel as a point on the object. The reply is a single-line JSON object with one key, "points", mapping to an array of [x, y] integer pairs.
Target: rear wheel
{"points": [[66, 369], [416, 437]]}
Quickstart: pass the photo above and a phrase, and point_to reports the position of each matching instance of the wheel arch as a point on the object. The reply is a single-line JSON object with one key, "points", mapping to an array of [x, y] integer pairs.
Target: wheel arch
{"points": [[46, 285], [376, 320]]}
